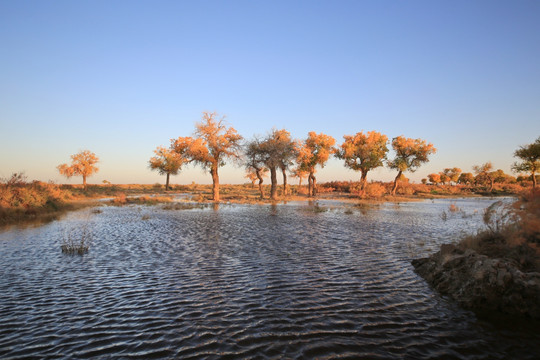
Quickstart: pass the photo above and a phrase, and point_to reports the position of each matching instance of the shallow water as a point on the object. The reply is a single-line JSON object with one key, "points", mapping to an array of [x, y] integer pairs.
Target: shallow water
{"points": [[243, 281]]}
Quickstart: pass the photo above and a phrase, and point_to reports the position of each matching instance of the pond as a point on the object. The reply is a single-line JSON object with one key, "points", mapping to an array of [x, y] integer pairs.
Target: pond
{"points": [[297, 280]]}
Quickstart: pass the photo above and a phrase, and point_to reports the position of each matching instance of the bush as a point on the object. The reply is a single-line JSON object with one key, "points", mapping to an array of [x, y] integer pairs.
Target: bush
{"points": [[375, 190]]}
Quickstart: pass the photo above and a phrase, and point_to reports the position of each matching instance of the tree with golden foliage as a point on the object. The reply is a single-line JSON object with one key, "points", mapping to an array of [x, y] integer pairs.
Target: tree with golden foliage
{"points": [[530, 160], [410, 155], [434, 178], [444, 178], [214, 142], [364, 152], [167, 162], [466, 178], [483, 174], [313, 151], [452, 174], [82, 164], [278, 150]]}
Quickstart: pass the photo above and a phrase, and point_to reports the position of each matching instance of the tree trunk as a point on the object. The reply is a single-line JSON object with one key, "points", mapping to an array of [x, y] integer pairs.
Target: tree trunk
{"points": [[363, 180], [273, 179], [215, 182], [167, 182], [310, 186], [313, 184], [491, 182], [258, 173], [394, 188], [84, 182], [534, 179], [284, 172]]}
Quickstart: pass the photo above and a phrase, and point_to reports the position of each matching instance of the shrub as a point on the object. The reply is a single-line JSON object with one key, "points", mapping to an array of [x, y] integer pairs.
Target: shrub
{"points": [[375, 189]]}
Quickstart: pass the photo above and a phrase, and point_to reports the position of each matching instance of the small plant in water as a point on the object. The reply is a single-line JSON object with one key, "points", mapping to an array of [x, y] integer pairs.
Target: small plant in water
{"points": [[444, 216], [76, 243]]}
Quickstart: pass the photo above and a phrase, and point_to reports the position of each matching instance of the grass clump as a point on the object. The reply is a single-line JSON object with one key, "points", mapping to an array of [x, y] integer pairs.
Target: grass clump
{"points": [[512, 231], [75, 243]]}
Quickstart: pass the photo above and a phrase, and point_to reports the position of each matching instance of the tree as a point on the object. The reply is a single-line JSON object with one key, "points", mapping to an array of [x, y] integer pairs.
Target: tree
{"points": [[452, 174], [530, 159], [443, 178], [363, 152], [82, 164], [466, 178], [500, 176], [214, 142], [276, 151], [297, 172], [410, 155], [313, 151], [287, 150], [483, 174], [434, 178], [255, 163], [167, 162]]}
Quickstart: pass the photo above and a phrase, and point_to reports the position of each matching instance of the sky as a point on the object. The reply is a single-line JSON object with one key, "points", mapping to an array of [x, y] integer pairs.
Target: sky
{"points": [[120, 78]]}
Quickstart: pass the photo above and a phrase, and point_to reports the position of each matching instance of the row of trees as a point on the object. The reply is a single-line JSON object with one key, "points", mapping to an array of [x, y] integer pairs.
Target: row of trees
{"points": [[483, 175], [214, 142]]}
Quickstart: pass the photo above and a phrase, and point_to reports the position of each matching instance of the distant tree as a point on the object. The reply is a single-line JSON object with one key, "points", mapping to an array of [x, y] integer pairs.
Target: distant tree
{"points": [[483, 174], [255, 163], [410, 155], [452, 174], [297, 172], [288, 154], [466, 178], [500, 177], [444, 178], [530, 159], [214, 142], [82, 164], [434, 178], [363, 152], [167, 162], [313, 151], [424, 181], [276, 151]]}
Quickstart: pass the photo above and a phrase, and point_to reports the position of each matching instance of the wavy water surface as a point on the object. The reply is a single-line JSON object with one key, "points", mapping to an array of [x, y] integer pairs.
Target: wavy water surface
{"points": [[242, 281]]}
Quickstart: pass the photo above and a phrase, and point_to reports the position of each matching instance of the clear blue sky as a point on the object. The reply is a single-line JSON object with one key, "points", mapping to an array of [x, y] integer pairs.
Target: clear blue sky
{"points": [[121, 77]]}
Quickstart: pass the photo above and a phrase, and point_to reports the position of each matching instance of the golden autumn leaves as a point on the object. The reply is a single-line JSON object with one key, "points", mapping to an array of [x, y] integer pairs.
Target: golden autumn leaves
{"points": [[214, 142], [82, 164]]}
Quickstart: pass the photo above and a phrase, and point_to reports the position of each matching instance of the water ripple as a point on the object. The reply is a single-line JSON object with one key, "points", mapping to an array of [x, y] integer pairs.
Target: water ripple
{"points": [[241, 282]]}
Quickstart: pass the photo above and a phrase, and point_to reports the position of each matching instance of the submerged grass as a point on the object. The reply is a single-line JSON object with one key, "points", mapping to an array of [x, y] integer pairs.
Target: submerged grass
{"points": [[76, 241]]}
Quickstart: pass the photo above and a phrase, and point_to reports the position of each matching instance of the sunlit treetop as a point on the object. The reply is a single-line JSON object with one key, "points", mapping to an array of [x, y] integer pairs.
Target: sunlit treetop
{"points": [[410, 153]]}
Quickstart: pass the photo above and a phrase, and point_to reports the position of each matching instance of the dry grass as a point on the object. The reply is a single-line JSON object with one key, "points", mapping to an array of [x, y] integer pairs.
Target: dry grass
{"points": [[121, 199], [77, 241], [512, 231]]}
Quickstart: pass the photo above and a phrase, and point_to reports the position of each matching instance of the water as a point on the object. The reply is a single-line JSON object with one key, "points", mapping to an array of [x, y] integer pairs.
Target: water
{"points": [[243, 281]]}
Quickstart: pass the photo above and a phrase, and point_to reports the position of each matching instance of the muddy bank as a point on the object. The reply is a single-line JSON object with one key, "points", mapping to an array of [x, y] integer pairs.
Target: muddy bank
{"points": [[481, 283]]}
